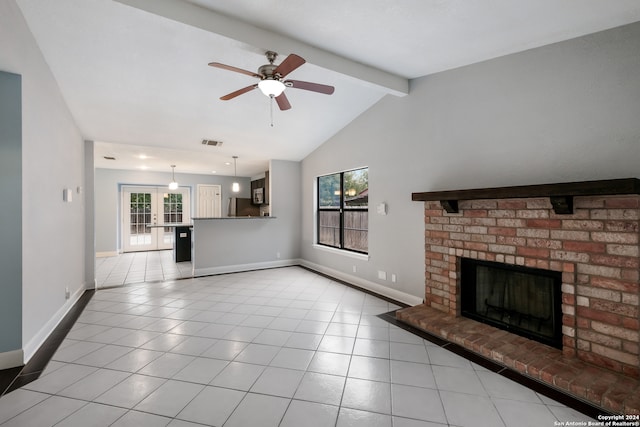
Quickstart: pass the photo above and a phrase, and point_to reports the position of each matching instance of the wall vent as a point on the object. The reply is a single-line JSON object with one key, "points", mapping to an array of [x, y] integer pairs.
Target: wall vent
{"points": [[211, 142]]}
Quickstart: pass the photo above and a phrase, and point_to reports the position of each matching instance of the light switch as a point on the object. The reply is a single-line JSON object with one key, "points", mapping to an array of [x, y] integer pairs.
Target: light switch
{"points": [[382, 208], [67, 195]]}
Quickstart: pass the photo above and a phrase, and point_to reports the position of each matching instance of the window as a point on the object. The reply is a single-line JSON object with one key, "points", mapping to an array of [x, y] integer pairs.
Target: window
{"points": [[343, 210]]}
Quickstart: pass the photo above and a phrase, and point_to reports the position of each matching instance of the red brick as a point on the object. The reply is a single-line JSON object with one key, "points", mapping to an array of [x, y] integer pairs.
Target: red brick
{"points": [[613, 284], [583, 323], [533, 252], [502, 231], [598, 360], [473, 213], [434, 255], [601, 316], [568, 299], [433, 212], [633, 372], [622, 202], [475, 246], [542, 264], [630, 274], [633, 324], [438, 234], [512, 204], [615, 261], [544, 223], [584, 247], [614, 307]]}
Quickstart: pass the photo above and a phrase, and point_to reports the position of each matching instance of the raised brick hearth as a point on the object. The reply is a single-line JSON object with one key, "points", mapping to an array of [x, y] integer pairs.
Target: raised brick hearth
{"points": [[593, 240]]}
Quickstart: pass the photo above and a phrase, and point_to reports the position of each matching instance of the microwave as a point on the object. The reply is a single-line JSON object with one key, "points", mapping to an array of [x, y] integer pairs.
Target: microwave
{"points": [[258, 196]]}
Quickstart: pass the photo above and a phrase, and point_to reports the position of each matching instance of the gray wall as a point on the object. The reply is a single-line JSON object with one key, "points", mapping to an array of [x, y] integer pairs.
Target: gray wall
{"points": [[53, 244], [564, 112], [240, 244], [108, 197], [11, 224]]}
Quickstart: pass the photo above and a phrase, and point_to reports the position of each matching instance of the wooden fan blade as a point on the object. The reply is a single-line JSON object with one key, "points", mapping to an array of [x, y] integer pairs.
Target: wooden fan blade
{"points": [[237, 70], [238, 92], [314, 87], [283, 102], [292, 62]]}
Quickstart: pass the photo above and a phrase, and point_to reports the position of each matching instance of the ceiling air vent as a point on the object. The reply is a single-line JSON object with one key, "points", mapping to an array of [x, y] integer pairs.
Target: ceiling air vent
{"points": [[109, 158], [211, 142]]}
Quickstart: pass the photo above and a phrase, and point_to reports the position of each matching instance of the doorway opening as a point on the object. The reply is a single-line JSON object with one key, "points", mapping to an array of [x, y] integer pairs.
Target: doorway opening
{"points": [[144, 212]]}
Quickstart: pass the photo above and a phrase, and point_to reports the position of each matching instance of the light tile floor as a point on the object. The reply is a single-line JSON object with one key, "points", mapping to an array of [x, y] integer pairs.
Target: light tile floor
{"points": [[282, 347], [136, 267]]}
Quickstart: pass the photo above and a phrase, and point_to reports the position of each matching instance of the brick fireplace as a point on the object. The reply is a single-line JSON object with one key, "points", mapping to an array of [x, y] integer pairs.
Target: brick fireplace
{"points": [[588, 232]]}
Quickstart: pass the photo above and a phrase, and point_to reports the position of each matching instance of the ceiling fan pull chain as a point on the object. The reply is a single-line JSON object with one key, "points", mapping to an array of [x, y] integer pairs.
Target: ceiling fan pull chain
{"points": [[271, 108]]}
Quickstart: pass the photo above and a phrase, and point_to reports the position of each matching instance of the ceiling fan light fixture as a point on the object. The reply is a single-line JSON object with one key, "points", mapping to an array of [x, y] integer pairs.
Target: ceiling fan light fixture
{"points": [[271, 87]]}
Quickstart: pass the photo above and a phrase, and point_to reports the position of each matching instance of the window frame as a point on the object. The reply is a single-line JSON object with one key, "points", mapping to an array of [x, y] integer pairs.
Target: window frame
{"points": [[341, 210]]}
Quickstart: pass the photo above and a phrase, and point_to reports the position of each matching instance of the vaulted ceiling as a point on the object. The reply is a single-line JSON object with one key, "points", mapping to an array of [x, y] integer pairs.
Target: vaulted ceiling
{"points": [[134, 72]]}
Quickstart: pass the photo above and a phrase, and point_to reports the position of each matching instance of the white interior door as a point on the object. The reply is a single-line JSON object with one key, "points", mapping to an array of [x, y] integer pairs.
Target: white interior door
{"points": [[143, 208], [209, 201]]}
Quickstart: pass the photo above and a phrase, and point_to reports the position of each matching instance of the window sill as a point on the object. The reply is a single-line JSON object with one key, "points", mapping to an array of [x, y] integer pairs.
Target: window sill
{"points": [[356, 255]]}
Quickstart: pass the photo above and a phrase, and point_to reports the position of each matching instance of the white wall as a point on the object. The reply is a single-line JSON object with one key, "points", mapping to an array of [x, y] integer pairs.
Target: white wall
{"points": [[564, 112], [108, 184], [52, 159]]}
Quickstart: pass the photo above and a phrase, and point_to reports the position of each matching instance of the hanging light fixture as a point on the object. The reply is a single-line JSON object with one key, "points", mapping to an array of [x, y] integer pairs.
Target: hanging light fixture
{"points": [[235, 187], [173, 185]]}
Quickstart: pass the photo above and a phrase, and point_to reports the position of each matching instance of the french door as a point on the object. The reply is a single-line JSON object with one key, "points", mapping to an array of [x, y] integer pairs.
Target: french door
{"points": [[145, 209]]}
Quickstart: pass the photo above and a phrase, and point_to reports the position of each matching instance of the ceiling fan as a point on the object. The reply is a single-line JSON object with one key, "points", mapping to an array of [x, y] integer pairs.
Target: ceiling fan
{"points": [[271, 79]]}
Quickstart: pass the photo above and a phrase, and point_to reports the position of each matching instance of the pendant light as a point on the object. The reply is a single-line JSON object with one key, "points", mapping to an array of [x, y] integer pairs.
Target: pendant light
{"points": [[235, 187], [173, 185]]}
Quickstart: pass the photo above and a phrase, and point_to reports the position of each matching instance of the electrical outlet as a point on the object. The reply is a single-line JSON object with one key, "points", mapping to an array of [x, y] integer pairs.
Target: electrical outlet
{"points": [[393, 278], [382, 275], [354, 269]]}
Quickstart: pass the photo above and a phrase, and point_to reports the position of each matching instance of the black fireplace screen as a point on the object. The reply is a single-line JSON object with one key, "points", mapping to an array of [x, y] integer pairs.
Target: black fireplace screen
{"points": [[522, 300]]}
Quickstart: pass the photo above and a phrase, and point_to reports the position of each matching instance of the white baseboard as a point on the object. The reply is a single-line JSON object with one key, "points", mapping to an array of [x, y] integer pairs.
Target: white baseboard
{"points": [[34, 343], [394, 294], [11, 359], [106, 254], [244, 267]]}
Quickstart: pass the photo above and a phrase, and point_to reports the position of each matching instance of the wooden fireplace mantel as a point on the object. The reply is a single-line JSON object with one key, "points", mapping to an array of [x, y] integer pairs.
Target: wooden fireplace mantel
{"points": [[561, 195]]}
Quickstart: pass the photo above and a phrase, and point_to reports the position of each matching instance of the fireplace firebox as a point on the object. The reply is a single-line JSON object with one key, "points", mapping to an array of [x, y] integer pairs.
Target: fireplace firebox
{"points": [[522, 300]]}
